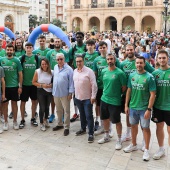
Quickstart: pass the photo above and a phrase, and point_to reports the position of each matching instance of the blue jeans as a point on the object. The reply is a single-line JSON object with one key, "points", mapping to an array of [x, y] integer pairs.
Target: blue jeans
{"points": [[86, 114], [137, 116]]}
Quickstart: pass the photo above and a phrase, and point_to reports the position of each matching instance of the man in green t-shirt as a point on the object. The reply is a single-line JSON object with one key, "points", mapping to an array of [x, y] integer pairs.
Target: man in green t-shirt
{"points": [[42, 50], [51, 56], [141, 95], [29, 65], [99, 64], [91, 53], [114, 83], [161, 109], [2, 51], [128, 66], [19, 49], [13, 83]]}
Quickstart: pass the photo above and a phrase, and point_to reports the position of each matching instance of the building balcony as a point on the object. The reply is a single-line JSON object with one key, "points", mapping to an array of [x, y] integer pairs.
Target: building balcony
{"points": [[149, 3]]}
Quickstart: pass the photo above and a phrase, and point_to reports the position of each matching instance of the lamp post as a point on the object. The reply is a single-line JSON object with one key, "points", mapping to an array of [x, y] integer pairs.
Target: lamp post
{"points": [[31, 18], [166, 14]]}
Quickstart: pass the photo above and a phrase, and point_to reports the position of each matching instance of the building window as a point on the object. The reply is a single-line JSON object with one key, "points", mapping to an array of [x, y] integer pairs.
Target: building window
{"points": [[76, 4], [148, 2], [128, 3], [94, 3], [110, 3]]}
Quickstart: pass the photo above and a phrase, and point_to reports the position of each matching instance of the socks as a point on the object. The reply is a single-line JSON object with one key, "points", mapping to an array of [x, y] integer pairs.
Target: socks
{"points": [[161, 148], [101, 123], [128, 130], [106, 134], [97, 118], [110, 128]]}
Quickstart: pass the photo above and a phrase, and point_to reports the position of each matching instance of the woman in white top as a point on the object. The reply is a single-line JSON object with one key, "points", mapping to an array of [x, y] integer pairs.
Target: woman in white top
{"points": [[43, 80]]}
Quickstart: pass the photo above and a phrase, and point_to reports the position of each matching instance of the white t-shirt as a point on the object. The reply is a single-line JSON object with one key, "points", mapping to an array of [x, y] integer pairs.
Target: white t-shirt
{"points": [[44, 78], [108, 45]]}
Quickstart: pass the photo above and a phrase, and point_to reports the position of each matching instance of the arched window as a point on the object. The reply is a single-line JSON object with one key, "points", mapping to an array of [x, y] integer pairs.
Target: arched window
{"points": [[128, 3], [76, 4], [148, 2], [8, 19]]}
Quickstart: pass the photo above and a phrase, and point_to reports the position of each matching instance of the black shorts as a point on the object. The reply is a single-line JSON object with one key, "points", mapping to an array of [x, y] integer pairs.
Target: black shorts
{"points": [[28, 91], [161, 116], [11, 93], [109, 111], [98, 96]]}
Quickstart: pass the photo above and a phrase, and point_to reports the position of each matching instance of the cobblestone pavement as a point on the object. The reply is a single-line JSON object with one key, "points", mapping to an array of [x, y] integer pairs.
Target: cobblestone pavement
{"points": [[32, 149]]}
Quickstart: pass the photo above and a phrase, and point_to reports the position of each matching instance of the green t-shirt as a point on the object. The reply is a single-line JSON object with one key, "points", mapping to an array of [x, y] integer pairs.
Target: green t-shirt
{"points": [[29, 66], [129, 67], [162, 78], [41, 53], [141, 85], [19, 53], [89, 59], [76, 50], [112, 85], [51, 56], [99, 64], [2, 53], [2, 75], [11, 68]]}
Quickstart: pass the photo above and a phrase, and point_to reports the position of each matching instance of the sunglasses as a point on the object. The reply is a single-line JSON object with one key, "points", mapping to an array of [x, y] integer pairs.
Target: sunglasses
{"points": [[59, 59]]}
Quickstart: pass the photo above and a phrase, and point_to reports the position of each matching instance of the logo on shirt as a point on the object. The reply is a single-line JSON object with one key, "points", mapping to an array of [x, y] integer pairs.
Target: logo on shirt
{"points": [[99, 63], [3, 62], [169, 76], [86, 59], [133, 79], [144, 80], [113, 76], [13, 63], [125, 66], [38, 54], [157, 76]]}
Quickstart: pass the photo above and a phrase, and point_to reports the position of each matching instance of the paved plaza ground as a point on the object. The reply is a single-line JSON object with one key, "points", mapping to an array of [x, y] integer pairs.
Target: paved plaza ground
{"points": [[32, 149]]}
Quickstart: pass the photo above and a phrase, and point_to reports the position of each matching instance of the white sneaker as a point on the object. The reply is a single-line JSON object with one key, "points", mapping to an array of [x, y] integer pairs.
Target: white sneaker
{"points": [[126, 137], [118, 145], [146, 156], [47, 124], [15, 126], [1, 131], [5, 126], [159, 154], [43, 127], [2, 119], [99, 131], [103, 140], [130, 148]]}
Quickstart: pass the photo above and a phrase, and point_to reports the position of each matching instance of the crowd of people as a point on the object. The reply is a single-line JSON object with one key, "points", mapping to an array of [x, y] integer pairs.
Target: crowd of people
{"points": [[118, 72]]}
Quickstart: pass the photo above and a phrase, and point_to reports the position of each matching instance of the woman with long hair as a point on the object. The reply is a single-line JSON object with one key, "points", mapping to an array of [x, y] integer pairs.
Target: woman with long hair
{"points": [[43, 80]]}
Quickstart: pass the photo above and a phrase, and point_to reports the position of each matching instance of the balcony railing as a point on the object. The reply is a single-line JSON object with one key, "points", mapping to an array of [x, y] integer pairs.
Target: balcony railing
{"points": [[113, 5]]}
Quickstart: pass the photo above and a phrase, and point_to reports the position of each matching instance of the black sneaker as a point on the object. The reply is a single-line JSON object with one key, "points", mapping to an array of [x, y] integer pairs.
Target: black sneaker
{"points": [[33, 122], [11, 115], [22, 124], [57, 128], [91, 139], [80, 132], [96, 125], [36, 114]]}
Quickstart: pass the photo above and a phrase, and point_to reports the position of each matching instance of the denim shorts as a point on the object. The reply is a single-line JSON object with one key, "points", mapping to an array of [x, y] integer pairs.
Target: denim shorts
{"points": [[137, 116]]}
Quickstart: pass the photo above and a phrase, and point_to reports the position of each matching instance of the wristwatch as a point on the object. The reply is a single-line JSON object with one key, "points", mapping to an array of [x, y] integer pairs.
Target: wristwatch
{"points": [[149, 109]]}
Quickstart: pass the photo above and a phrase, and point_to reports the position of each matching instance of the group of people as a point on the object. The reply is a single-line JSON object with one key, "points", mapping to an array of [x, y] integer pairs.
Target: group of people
{"points": [[89, 73]]}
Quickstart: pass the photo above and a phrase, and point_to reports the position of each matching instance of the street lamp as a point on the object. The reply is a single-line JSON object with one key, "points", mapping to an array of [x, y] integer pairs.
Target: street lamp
{"points": [[165, 13]]}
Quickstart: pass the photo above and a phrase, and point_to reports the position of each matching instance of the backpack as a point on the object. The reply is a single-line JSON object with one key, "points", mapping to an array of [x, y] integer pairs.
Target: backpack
{"points": [[23, 59]]}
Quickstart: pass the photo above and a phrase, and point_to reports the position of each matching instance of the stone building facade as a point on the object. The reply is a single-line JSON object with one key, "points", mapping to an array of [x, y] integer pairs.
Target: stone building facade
{"points": [[139, 15], [14, 15]]}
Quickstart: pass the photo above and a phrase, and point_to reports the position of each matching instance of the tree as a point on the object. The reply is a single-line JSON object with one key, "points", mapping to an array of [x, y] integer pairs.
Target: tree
{"points": [[44, 21], [32, 20], [57, 22]]}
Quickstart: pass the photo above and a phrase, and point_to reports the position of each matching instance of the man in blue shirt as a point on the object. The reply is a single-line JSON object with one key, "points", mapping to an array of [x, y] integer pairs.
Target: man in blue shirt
{"points": [[63, 88]]}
